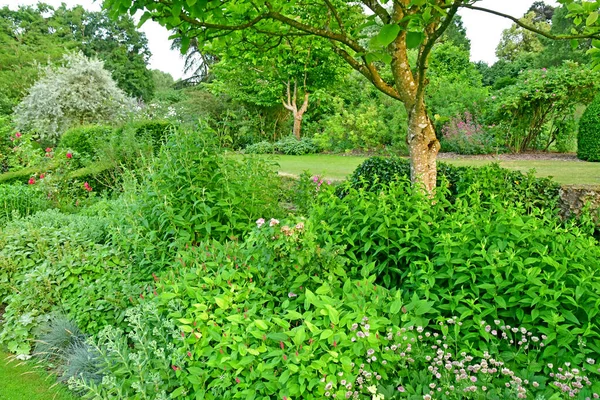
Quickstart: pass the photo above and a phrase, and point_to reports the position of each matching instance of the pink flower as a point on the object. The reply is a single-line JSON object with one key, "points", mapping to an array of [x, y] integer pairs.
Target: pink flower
{"points": [[87, 187], [42, 176], [48, 149], [18, 135], [69, 155], [273, 222], [237, 380], [260, 222], [31, 181]]}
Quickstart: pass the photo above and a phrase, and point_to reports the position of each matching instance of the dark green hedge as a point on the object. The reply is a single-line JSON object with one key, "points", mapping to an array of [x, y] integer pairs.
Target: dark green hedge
{"points": [[588, 139]]}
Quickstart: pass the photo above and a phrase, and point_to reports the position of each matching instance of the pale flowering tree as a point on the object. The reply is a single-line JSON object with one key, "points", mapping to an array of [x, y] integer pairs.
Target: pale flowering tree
{"points": [[79, 92]]}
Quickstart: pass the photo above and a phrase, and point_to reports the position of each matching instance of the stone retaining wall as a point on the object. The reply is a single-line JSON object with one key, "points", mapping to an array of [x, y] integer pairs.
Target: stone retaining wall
{"points": [[574, 198]]}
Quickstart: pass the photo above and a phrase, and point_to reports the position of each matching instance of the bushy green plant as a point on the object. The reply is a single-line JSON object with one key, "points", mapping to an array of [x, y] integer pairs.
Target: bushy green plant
{"points": [[488, 256], [155, 130], [463, 135], [588, 139], [85, 139], [274, 318], [80, 92], [367, 125], [194, 192], [21, 200], [263, 147], [51, 260], [493, 180], [294, 147]]}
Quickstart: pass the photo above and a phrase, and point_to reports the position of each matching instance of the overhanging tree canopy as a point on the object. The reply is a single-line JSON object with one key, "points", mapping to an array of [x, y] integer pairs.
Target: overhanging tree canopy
{"points": [[383, 60]]}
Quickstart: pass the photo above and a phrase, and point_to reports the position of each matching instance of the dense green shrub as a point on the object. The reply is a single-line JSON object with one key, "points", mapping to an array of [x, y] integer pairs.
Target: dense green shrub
{"points": [[463, 135], [85, 140], [51, 261], [21, 200], [294, 147], [263, 147], [588, 139], [193, 192], [492, 180], [482, 255], [156, 130], [272, 318]]}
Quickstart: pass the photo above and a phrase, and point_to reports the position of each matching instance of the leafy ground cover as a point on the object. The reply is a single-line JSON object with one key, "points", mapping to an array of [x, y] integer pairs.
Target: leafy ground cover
{"points": [[22, 381], [339, 167]]}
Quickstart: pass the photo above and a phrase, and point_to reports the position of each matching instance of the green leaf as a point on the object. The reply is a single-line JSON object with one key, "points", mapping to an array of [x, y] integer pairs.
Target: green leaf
{"points": [[592, 18], [221, 302], [327, 333], [574, 44], [262, 325], [178, 392], [396, 306], [387, 34], [414, 39]]}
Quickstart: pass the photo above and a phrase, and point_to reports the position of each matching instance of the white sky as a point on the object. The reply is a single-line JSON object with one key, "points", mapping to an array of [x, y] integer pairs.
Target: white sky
{"points": [[483, 29]]}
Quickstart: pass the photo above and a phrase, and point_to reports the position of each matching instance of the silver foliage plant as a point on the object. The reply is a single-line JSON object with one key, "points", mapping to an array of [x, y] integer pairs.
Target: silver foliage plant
{"points": [[79, 92]]}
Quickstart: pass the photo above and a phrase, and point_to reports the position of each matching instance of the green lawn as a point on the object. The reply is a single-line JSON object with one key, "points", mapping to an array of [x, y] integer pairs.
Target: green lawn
{"points": [[338, 167], [21, 381]]}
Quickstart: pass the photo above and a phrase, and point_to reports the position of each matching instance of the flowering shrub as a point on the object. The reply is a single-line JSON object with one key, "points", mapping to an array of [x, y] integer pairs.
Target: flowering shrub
{"points": [[463, 135], [275, 318]]}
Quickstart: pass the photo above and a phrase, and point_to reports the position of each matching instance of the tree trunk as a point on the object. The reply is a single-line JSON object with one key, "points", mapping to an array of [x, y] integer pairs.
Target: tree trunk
{"points": [[423, 147], [297, 125]]}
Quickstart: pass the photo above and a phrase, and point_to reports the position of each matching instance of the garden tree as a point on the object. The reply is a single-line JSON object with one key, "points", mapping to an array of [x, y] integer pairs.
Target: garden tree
{"points": [[24, 41], [117, 42], [455, 84], [77, 93], [197, 63], [517, 41], [267, 73], [555, 52], [42, 34], [402, 25], [457, 34], [543, 12], [538, 110]]}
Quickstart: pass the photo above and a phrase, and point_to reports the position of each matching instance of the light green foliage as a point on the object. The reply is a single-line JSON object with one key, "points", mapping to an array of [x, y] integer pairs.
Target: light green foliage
{"points": [[272, 317], [588, 138], [533, 110], [293, 147], [51, 258], [195, 192], [42, 34], [263, 147], [515, 41], [455, 85], [80, 92], [21, 200], [468, 258], [85, 140]]}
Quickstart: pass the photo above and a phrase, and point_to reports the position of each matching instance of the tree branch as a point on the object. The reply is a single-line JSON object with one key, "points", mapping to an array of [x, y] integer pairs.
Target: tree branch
{"points": [[426, 49], [368, 73], [533, 28], [378, 9], [336, 15]]}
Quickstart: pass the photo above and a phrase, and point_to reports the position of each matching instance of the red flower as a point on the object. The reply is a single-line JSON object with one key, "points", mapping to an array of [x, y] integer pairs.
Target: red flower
{"points": [[69, 155], [18, 135], [237, 380], [189, 354], [48, 149], [175, 367], [31, 181], [42, 176], [281, 345], [87, 187]]}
